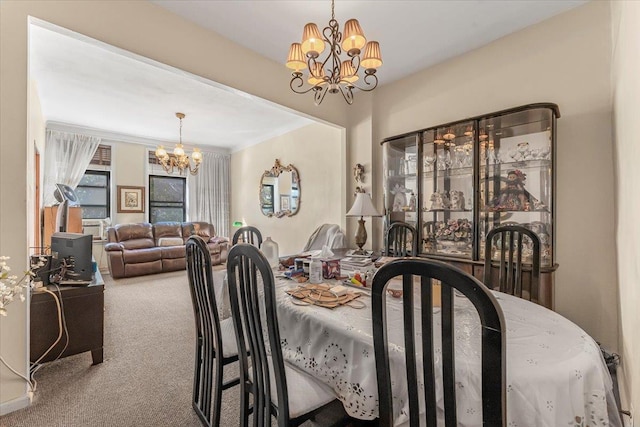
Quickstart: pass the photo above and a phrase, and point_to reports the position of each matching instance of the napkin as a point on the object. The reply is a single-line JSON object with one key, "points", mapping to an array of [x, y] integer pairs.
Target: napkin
{"points": [[326, 252]]}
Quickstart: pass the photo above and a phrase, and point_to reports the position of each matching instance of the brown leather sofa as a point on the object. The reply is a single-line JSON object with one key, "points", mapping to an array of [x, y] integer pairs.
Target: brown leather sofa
{"points": [[139, 249]]}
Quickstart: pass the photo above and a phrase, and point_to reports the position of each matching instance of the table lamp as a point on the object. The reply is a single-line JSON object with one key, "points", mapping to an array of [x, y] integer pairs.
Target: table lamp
{"points": [[363, 206]]}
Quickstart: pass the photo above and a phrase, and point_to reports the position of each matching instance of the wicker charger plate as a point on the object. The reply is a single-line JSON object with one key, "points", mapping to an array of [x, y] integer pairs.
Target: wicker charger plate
{"points": [[322, 296]]}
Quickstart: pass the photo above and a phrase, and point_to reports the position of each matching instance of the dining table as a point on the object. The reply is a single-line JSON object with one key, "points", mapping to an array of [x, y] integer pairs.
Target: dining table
{"points": [[555, 373]]}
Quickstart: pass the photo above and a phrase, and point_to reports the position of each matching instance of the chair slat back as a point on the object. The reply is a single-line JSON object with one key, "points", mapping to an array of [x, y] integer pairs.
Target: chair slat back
{"points": [[398, 234], [492, 337], [248, 234], [252, 285], [207, 322], [510, 277]]}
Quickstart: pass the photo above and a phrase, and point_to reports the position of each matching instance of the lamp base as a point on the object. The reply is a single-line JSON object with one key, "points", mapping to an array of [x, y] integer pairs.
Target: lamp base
{"points": [[361, 236]]}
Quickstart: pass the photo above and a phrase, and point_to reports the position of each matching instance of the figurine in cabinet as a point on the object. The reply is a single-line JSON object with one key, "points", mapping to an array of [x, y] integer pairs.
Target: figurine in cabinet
{"points": [[439, 201], [412, 202], [457, 200], [514, 197], [399, 198]]}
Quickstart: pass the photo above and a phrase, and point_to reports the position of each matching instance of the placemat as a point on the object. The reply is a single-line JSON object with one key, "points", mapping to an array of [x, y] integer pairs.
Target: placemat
{"points": [[320, 295]]}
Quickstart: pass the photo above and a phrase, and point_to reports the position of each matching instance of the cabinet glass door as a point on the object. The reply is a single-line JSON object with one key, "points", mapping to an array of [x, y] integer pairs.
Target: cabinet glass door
{"points": [[447, 190], [401, 183], [516, 176]]}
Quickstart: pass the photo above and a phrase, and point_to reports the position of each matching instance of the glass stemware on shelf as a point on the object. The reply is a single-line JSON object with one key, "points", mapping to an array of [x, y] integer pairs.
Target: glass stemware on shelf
{"points": [[429, 160]]}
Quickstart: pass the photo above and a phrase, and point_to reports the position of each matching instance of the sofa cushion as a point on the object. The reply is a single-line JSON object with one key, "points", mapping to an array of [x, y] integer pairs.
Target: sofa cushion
{"points": [[141, 255], [202, 229], [167, 229], [170, 241], [133, 231], [138, 244], [170, 252], [214, 248]]}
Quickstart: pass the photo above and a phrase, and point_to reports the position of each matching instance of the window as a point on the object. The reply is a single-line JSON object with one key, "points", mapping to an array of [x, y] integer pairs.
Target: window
{"points": [[167, 198], [94, 195]]}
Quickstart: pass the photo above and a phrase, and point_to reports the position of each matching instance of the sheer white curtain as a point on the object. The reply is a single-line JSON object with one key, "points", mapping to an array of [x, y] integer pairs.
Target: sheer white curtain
{"points": [[209, 192], [66, 157]]}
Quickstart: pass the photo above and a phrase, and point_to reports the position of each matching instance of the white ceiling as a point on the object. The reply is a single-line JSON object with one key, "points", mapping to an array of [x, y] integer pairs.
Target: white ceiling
{"points": [[86, 83], [413, 35]]}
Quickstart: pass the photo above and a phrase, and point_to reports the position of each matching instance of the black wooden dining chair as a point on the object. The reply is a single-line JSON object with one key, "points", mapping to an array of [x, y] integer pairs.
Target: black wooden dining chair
{"points": [[509, 241], [215, 340], [399, 235], [493, 342], [289, 395], [247, 234]]}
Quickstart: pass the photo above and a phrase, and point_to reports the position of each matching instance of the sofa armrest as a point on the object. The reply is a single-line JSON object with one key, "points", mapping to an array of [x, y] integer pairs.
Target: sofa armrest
{"points": [[115, 261], [219, 239], [113, 247]]}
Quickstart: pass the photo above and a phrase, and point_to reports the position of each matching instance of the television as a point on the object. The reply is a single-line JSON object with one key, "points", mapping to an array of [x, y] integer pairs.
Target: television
{"points": [[73, 250], [66, 196]]}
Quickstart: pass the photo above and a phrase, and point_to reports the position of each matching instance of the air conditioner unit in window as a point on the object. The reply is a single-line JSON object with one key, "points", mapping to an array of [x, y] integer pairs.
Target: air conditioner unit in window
{"points": [[96, 227]]}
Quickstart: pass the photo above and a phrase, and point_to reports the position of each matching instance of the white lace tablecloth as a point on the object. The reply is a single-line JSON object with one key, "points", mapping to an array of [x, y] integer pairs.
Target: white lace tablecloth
{"points": [[555, 373]]}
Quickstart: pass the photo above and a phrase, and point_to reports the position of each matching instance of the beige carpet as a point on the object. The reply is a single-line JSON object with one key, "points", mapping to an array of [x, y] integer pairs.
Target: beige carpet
{"points": [[147, 373]]}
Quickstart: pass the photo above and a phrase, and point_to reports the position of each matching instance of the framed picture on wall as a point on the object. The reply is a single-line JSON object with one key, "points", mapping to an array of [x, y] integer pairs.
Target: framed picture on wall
{"points": [[285, 202], [130, 199]]}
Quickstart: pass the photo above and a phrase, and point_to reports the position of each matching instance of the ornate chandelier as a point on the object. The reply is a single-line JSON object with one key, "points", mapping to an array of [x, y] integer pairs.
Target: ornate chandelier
{"points": [[179, 159], [332, 74]]}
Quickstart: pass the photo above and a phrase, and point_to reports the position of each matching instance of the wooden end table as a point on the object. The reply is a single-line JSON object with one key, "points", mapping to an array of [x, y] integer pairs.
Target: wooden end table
{"points": [[84, 315]]}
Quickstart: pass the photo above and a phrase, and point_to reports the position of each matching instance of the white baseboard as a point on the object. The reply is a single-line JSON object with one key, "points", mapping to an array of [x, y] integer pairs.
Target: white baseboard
{"points": [[15, 404]]}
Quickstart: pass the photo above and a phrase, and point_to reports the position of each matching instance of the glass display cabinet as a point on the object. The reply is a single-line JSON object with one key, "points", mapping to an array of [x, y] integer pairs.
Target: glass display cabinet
{"points": [[457, 181]]}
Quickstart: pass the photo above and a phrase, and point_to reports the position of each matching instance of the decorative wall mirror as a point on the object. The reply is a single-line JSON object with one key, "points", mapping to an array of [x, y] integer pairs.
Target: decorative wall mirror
{"points": [[279, 194]]}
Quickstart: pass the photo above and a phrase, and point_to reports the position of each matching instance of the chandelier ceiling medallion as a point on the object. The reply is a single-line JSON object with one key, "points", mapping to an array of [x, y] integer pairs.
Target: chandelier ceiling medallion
{"points": [[332, 74], [179, 159]]}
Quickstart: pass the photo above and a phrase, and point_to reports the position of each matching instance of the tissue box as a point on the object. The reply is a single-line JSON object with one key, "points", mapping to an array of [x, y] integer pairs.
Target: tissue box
{"points": [[330, 268]]}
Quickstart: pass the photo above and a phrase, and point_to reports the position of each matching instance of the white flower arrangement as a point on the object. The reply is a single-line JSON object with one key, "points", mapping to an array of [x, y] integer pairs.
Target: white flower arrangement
{"points": [[10, 286]]}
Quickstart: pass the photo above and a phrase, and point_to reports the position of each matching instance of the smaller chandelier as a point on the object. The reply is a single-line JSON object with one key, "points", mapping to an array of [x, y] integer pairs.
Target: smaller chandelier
{"points": [[179, 159], [332, 74]]}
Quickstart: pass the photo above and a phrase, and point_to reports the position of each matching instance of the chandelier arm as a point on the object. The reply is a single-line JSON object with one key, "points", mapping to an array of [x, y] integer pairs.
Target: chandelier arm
{"points": [[347, 93], [373, 85], [355, 63], [320, 94], [194, 171], [297, 77]]}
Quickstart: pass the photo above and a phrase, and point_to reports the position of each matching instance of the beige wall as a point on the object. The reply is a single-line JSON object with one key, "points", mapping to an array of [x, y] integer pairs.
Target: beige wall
{"points": [[362, 148], [565, 60], [142, 28], [128, 168], [626, 111], [318, 152]]}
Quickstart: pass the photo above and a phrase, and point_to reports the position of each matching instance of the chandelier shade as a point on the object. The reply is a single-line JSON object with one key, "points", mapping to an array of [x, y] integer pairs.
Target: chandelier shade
{"points": [[372, 58], [354, 39], [296, 59], [332, 73], [312, 43], [179, 160]]}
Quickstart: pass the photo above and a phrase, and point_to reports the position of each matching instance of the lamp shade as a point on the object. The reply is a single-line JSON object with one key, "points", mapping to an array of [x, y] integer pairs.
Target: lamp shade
{"points": [[296, 60], [316, 74], [312, 43], [197, 155], [347, 72], [363, 206], [178, 150], [372, 57], [161, 152], [353, 39]]}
